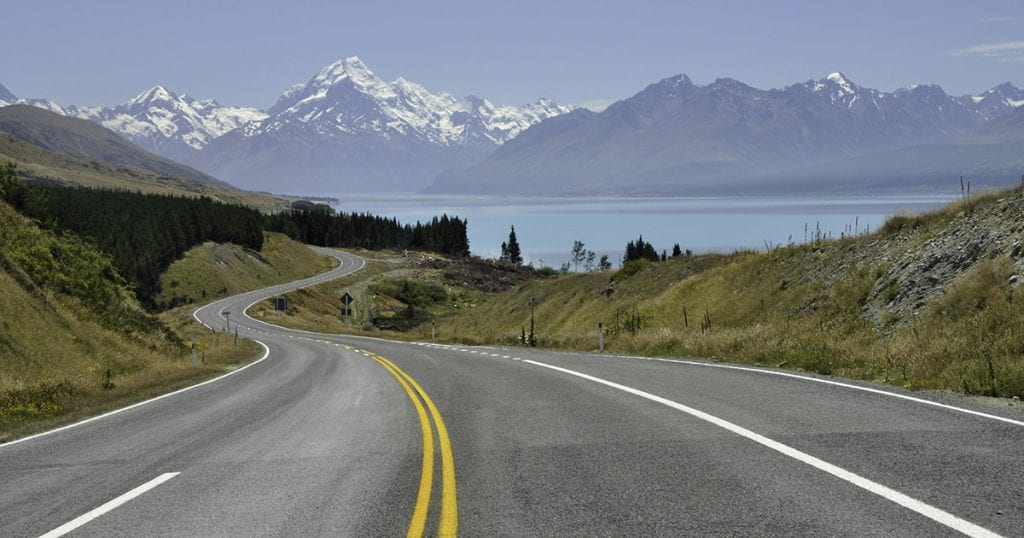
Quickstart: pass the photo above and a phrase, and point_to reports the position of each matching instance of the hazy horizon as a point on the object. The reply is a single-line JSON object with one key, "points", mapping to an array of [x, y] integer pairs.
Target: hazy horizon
{"points": [[582, 53]]}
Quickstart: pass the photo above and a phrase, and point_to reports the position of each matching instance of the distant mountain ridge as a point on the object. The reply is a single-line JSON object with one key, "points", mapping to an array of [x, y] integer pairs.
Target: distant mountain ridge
{"points": [[165, 123], [346, 129], [157, 120], [676, 137], [343, 130], [78, 138]]}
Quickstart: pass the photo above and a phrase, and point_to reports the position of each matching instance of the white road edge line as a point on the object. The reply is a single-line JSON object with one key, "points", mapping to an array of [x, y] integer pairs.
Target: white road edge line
{"points": [[195, 315], [829, 382], [266, 353], [926, 510], [108, 506]]}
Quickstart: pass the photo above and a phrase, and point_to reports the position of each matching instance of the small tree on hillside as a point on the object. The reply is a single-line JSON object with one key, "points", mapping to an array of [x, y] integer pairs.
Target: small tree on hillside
{"points": [[579, 254], [604, 264], [676, 251], [510, 251], [640, 250]]}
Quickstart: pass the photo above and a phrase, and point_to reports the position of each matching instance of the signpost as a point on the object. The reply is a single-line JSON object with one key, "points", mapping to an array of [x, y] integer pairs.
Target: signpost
{"points": [[346, 301]]}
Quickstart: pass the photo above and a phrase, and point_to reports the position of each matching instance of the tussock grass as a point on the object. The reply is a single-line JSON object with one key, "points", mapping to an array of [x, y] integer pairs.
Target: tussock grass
{"points": [[74, 343], [212, 271], [55, 355], [37, 163], [801, 307], [804, 307]]}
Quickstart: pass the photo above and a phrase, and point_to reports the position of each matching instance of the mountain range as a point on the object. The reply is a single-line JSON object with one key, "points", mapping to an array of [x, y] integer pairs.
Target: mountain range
{"points": [[679, 138], [344, 130], [56, 148], [347, 130]]}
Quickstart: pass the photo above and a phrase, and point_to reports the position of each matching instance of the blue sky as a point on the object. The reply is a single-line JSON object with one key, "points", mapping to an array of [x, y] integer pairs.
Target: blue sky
{"points": [[512, 52]]}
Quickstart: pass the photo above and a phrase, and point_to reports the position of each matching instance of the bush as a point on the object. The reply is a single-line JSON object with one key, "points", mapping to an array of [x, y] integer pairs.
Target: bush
{"points": [[631, 268], [411, 292]]}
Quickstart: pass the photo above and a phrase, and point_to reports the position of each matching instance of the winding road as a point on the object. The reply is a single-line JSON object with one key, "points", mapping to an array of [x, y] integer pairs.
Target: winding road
{"points": [[348, 436]]}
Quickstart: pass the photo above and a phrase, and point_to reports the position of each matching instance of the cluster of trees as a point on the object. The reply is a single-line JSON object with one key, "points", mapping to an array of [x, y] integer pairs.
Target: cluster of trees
{"points": [[142, 233], [444, 234], [642, 250], [145, 233]]}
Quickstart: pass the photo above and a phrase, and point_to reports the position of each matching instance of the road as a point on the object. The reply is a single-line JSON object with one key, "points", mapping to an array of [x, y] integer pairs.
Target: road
{"points": [[348, 436]]}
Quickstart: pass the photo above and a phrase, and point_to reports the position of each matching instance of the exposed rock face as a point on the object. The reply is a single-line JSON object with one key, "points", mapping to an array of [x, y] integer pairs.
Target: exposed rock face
{"points": [[915, 265]]}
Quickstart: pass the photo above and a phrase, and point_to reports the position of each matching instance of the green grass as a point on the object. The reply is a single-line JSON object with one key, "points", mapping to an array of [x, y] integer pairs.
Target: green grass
{"points": [[801, 307], [66, 321], [777, 309], [384, 290], [39, 164], [212, 271], [74, 343]]}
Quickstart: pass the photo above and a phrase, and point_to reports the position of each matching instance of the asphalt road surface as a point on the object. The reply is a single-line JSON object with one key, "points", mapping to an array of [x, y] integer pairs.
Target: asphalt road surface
{"points": [[347, 436]]}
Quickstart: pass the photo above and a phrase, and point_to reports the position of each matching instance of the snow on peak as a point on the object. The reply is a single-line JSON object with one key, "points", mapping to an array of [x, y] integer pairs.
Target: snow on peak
{"points": [[156, 93], [347, 97], [158, 115], [846, 87], [350, 68], [1005, 93]]}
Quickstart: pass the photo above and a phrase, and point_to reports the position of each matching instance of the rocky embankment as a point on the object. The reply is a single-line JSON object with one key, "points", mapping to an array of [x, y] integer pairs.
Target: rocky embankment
{"points": [[915, 259]]}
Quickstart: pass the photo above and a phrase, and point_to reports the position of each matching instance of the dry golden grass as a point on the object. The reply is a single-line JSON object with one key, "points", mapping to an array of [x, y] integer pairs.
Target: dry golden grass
{"points": [[40, 164], [54, 361], [799, 307], [55, 352], [212, 271]]}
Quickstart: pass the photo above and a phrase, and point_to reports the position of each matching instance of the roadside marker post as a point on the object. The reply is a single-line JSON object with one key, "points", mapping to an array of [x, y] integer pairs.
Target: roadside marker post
{"points": [[195, 354], [346, 301], [600, 336]]}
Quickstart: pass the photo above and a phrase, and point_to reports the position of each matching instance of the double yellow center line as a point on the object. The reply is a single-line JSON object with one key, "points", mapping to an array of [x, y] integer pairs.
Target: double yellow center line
{"points": [[448, 522]]}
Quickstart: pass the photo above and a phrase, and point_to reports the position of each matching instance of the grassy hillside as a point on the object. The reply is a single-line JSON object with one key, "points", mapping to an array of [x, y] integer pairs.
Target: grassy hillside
{"points": [[37, 163], [213, 270], [84, 139], [67, 320], [396, 295], [929, 301]]}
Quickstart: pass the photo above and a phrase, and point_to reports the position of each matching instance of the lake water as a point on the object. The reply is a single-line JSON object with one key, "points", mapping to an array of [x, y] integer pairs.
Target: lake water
{"points": [[546, 228]]}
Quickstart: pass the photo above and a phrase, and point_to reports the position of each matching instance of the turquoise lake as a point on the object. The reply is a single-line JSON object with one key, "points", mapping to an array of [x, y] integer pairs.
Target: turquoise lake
{"points": [[546, 228]]}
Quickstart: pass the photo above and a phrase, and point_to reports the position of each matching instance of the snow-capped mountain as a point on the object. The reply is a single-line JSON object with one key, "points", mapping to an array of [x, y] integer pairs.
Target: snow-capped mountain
{"points": [[174, 126], [348, 97], [998, 101], [678, 137], [348, 129], [8, 98]]}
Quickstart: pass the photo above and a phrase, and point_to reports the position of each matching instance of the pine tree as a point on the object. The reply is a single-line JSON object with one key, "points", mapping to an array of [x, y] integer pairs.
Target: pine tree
{"points": [[676, 251], [640, 250], [514, 255]]}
